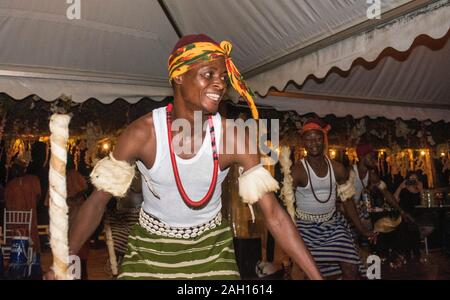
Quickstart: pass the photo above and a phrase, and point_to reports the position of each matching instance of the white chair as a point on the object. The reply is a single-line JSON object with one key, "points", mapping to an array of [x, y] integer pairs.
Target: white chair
{"points": [[13, 221], [425, 231]]}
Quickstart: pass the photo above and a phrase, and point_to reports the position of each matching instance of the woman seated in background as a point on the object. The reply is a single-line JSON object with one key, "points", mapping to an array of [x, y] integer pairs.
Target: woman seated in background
{"points": [[408, 192], [408, 195]]}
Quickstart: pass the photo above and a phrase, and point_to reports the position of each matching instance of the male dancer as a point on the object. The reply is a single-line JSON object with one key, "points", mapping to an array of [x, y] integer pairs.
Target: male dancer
{"points": [[181, 233], [319, 181]]}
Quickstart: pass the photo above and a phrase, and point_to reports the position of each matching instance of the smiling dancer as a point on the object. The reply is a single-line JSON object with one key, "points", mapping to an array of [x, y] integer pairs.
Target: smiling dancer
{"points": [[181, 233]]}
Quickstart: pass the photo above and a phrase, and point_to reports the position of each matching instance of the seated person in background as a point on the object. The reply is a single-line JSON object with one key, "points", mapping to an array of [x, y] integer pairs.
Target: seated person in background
{"points": [[408, 192], [22, 193], [408, 197]]}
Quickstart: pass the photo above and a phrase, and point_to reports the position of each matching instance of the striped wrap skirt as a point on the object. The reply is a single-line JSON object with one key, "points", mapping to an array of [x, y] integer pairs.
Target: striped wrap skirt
{"points": [[330, 243], [207, 256]]}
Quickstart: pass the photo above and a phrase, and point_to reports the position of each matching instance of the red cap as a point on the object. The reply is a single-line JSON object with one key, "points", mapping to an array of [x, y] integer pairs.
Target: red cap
{"points": [[317, 121], [192, 38], [315, 124]]}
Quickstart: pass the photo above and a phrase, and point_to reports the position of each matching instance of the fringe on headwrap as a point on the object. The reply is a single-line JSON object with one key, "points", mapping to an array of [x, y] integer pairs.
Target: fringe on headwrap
{"points": [[347, 190], [254, 183], [113, 176]]}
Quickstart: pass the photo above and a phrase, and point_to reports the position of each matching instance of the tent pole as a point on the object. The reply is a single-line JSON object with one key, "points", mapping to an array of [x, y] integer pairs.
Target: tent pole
{"points": [[170, 18]]}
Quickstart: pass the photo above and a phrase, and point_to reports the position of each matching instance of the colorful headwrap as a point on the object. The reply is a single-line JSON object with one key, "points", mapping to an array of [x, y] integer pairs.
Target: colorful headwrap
{"points": [[194, 49], [317, 124], [363, 149]]}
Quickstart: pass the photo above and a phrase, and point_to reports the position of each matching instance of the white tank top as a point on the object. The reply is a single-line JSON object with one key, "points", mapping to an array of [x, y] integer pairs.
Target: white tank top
{"points": [[304, 196], [161, 196], [358, 184]]}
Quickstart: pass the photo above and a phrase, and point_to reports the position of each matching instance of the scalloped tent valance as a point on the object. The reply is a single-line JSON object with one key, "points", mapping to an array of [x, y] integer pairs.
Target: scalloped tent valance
{"points": [[119, 49]]}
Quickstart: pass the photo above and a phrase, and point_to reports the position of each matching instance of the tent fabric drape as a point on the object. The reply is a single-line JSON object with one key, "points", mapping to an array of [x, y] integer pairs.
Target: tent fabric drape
{"points": [[388, 89], [434, 21], [115, 50], [80, 91], [119, 49]]}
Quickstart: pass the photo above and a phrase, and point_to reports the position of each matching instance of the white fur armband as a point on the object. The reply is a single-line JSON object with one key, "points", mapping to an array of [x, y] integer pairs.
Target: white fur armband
{"points": [[113, 176], [347, 190], [254, 183]]}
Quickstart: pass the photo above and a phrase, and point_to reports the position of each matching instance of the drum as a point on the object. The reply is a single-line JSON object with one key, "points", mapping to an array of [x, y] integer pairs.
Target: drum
{"points": [[19, 250], [387, 224]]}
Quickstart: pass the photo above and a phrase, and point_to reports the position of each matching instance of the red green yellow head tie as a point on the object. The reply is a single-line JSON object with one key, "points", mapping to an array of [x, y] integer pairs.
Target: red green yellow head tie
{"points": [[187, 56]]}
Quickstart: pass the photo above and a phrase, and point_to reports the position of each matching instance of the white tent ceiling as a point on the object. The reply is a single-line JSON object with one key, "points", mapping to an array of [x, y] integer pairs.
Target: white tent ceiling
{"points": [[119, 49]]}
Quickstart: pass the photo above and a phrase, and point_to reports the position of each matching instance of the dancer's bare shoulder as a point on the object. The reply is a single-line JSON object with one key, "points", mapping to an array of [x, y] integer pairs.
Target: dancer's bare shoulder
{"points": [[239, 144], [299, 175], [340, 172], [137, 141]]}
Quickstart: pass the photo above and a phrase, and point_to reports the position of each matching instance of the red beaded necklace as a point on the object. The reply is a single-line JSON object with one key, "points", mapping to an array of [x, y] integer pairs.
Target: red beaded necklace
{"points": [[312, 187], [180, 187]]}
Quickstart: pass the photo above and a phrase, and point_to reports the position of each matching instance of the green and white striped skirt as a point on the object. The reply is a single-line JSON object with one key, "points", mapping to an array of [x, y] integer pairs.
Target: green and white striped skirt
{"points": [[207, 256]]}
